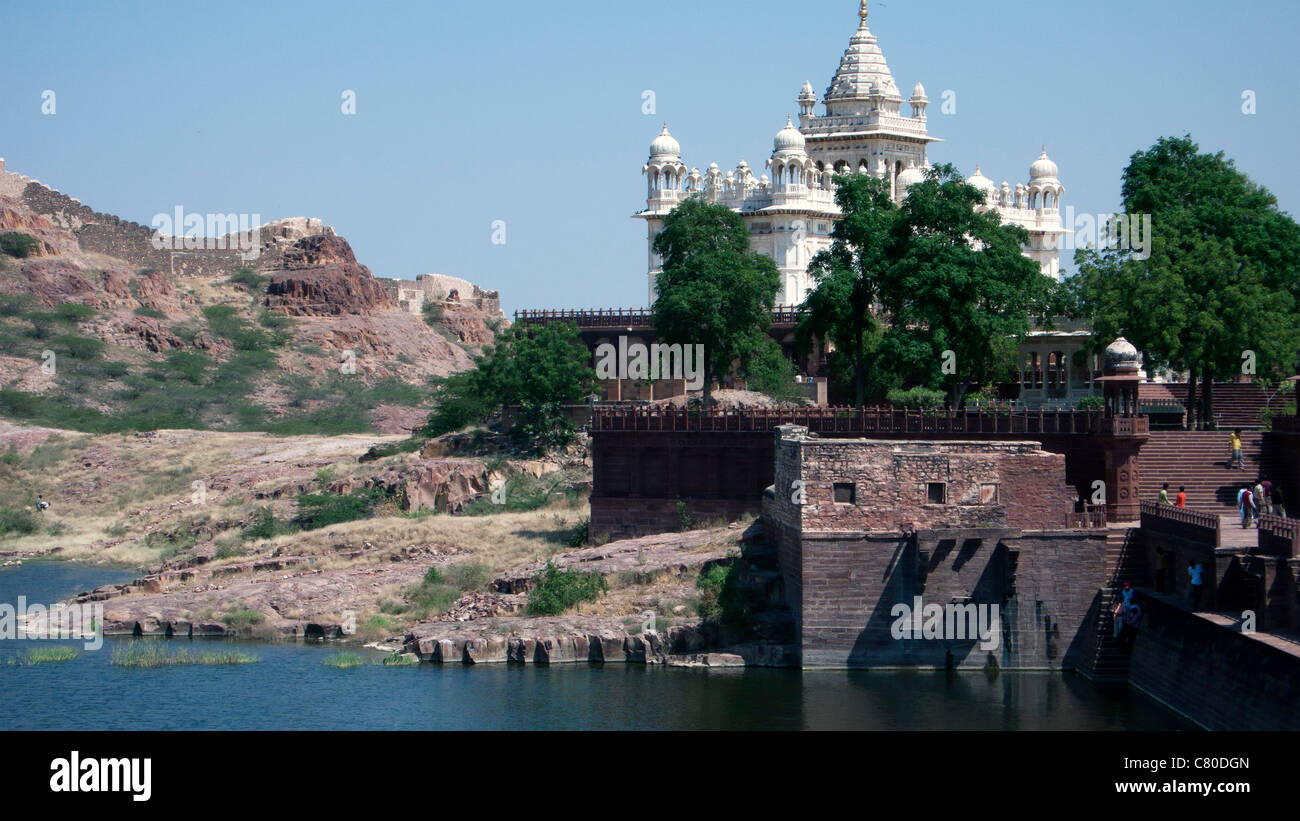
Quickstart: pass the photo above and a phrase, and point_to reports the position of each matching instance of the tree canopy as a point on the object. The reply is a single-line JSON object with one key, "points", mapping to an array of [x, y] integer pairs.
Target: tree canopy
{"points": [[1218, 294], [534, 368], [848, 277], [955, 293], [714, 291]]}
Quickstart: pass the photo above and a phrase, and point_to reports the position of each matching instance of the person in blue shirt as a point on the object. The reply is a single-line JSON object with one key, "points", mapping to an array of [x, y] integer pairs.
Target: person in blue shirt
{"points": [[1197, 573]]}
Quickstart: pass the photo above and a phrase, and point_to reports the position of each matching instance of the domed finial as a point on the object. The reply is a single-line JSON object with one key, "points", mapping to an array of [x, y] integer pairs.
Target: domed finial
{"points": [[863, 13]]}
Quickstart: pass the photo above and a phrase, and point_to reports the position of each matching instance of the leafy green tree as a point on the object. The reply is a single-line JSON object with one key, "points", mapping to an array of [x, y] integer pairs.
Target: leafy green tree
{"points": [[713, 290], [839, 309], [958, 293], [1222, 280], [535, 368]]}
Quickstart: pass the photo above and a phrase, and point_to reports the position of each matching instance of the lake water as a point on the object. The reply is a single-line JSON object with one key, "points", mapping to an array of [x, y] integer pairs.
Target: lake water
{"points": [[291, 688]]}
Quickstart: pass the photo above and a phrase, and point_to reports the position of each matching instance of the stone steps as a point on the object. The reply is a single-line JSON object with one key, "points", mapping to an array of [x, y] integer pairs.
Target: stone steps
{"points": [[1198, 460]]}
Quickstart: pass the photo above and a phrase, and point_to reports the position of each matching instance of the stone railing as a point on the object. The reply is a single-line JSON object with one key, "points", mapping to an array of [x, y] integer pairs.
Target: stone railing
{"points": [[1123, 425], [601, 318], [622, 317], [1279, 535], [1197, 525], [847, 420]]}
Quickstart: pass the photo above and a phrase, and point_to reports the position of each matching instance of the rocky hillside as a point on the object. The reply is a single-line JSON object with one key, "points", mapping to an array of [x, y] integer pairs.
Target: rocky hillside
{"points": [[101, 331]]}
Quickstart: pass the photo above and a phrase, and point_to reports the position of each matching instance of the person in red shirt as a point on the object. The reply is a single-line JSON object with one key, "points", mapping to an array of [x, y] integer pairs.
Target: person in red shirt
{"points": [[1181, 499]]}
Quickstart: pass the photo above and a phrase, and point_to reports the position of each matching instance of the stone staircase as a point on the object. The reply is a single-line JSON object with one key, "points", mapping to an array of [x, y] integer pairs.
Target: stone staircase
{"points": [[1125, 562], [1198, 460], [1236, 404]]}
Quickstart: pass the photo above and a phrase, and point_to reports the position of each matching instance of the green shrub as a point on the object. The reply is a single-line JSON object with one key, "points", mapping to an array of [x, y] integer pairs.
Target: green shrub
{"points": [[580, 534], [73, 312], [240, 617], [17, 522], [249, 279], [723, 598], [923, 398], [684, 520], [265, 527], [558, 590], [1091, 403], [440, 589], [80, 347], [274, 321], [229, 549], [18, 245], [17, 305], [319, 510]]}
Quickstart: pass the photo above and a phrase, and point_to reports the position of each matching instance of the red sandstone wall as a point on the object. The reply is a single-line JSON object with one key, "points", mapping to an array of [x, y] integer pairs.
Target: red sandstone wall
{"points": [[1043, 583], [1212, 674], [986, 484]]}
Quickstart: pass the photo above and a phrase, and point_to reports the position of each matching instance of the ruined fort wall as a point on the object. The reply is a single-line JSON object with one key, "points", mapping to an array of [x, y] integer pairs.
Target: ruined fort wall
{"points": [[1211, 673], [113, 236]]}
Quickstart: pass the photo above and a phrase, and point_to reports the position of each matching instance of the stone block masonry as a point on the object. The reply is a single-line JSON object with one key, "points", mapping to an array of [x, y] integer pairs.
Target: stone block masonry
{"points": [[851, 485], [862, 526], [1203, 667]]}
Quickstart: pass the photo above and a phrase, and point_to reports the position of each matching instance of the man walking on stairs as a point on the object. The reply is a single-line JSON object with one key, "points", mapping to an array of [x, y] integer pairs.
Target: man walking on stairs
{"points": [[1234, 442]]}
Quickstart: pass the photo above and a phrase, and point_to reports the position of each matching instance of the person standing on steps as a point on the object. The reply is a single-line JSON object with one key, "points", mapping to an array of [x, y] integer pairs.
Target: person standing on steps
{"points": [[1196, 572], [1181, 499], [1246, 506], [1257, 496], [1279, 506], [1234, 442], [1132, 618], [1266, 498], [1164, 494]]}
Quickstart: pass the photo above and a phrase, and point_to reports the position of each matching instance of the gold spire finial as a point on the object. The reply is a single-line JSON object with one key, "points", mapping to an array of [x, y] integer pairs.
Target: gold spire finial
{"points": [[863, 13]]}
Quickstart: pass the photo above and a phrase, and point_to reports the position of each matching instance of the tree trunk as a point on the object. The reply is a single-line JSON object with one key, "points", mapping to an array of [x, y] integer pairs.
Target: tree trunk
{"points": [[1207, 400], [708, 386], [1191, 399], [860, 380], [959, 389]]}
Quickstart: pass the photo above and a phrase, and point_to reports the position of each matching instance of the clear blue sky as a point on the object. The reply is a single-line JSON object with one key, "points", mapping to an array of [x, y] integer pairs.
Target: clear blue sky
{"points": [[532, 112]]}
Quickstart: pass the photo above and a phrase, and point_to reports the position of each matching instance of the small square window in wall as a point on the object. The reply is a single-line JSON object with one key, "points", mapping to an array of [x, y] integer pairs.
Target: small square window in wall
{"points": [[846, 493], [988, 494], [937, 493]]}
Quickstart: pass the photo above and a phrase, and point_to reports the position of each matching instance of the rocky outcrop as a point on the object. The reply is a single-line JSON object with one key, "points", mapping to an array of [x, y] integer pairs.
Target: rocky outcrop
{"points": [[321, 277], [638, 561], [53, 281], [18, 219], [444, 485], [570, 640]]}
